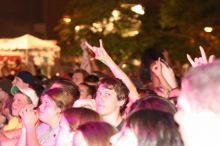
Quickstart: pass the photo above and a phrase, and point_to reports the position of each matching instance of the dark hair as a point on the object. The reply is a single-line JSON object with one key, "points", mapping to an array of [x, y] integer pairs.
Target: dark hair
{"points": [[91, 79], [91, 90], [118, 86], [144, 92], [154, 128], [26, 77], [68, 85], [153, 102], [79, 116], [149, 56], [97, 133]]}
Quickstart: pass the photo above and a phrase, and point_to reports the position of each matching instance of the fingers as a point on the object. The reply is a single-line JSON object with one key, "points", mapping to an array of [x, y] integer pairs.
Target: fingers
{"points": [[101, 44], [204, 58], [212, 58], [89, 46], [190, 59], [26, 109]]}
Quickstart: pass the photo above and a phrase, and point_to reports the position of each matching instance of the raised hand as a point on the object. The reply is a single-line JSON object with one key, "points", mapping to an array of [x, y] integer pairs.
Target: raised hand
{"points": [[156, 68], [29, 116], [165, 74], [83, 44], [100, 53], [198, 61]]}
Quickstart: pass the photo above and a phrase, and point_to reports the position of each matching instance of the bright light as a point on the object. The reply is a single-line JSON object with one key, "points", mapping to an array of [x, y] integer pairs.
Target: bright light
{"points": [[97, 25], [124, 65], [208, 29], [136, 62], [138, 9], [116, 14], [57, 74], [77, 28], [130, 33], [67, 19]]}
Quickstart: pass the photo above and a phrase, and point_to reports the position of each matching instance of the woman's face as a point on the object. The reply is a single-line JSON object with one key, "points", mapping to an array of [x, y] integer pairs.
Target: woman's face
{"points": [[125, 137], [48, 109], [19, 101], [79, 140]]}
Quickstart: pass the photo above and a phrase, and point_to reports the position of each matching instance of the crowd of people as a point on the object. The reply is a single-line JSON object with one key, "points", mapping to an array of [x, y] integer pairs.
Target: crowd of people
{"points": [[92, 108]]}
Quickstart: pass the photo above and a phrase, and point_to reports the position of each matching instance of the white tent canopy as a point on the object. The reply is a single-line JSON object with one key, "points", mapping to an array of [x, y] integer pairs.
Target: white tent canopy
{"points": [[28, 42], [28, 45]]}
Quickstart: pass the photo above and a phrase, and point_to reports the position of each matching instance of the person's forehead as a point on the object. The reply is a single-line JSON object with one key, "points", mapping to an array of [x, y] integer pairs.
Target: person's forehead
{"points": [[20, 96], [105, 89], [83, 86], [45, 97], [56, 85], [77, 74]]}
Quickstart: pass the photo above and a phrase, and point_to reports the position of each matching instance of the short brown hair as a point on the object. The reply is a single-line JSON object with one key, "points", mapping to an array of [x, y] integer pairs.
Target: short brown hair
{"points": [[97, 133], [118, 86], [60, 96], [79, 116]]}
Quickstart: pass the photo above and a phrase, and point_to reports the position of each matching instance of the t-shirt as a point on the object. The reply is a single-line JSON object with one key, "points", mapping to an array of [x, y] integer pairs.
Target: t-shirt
{"points": [[13, 123], [60, 136], [45, 135]]}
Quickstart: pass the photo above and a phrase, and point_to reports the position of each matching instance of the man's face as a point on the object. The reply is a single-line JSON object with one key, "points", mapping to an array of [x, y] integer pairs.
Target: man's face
{"points": [[19, 83], [83, 89], [106, 101], [77, 78]]}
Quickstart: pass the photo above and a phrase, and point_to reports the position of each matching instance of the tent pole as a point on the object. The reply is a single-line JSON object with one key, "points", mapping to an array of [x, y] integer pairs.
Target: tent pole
{"points": [[26, 56]]}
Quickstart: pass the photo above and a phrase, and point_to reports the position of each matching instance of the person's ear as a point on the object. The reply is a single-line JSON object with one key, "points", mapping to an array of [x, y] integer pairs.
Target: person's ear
{"points": [[59, 110], [121, 102]]}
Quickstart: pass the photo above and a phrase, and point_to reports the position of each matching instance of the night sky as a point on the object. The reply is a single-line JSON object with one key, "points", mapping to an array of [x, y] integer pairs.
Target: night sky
{"points": [[36, 17]]}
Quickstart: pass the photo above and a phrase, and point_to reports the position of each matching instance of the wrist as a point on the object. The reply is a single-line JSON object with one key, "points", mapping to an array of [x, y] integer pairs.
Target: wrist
{"points": [[160, 76]]}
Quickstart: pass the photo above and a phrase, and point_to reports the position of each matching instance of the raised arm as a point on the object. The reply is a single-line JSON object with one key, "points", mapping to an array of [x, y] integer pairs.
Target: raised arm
{"points": [[157, 70], [29, 119], [198, 61], [102, 55], [85, 63]]}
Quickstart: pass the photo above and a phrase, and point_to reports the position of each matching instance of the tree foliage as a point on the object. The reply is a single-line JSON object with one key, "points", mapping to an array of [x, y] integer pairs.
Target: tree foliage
{"points": [[187, 19], [177, 26]]}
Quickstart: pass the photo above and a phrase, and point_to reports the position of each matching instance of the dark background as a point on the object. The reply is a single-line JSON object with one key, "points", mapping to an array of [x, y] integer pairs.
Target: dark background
{"points": [[37, 17]]}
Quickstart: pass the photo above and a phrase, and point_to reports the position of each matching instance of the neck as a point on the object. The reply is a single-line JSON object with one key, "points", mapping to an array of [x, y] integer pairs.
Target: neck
{"points": [[55, 122], [114, 118]]}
